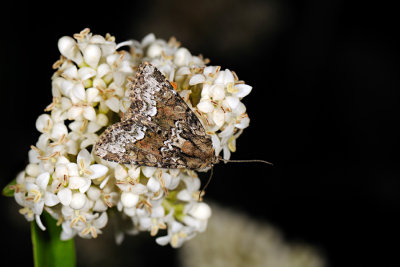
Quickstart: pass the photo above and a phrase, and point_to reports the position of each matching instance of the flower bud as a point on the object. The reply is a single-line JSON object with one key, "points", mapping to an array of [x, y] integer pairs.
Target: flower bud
{"points": [[182, 57], [129, 199], [200, 211], [78, 201], [69, 49], [44, 123], [92, 54], [154, 50]]}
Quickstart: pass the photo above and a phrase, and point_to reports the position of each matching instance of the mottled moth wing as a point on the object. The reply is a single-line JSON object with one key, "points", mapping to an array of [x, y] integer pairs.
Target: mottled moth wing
{"points": [[159, 129]]}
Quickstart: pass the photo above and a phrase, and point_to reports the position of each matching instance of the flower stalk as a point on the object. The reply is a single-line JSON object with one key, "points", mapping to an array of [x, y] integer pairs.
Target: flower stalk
{"points": [[48, 249]]}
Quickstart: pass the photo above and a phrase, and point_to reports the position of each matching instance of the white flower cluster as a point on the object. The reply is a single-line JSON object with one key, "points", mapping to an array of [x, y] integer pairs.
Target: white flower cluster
{"points": [[90, 92], [240, 240]]}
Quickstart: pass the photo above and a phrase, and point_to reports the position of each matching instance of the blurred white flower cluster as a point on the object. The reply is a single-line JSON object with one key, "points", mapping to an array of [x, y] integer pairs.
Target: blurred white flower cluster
{"points": [[90, 92], [240, 240]]}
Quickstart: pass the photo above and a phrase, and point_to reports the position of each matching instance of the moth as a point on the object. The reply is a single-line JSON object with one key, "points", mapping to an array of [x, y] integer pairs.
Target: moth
{"points": [[158, 130]]}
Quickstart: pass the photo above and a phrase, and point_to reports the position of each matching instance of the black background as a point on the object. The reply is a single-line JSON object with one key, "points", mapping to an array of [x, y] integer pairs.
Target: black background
{"points": [[324, 109]]}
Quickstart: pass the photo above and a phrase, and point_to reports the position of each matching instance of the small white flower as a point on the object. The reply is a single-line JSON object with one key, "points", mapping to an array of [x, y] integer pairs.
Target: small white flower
{"points": [[205, 106], [218, 116], [92, 228], [242, 90], [32, 170], [92, 171], [113, 104], [78, 201], [177, 234], [153, 185], [129, 199], [200, 211], [182, 57], [44, 123], [69, 49], [134, 172], [37, 195], [59, 129], [196, 79], [217, 92], [154, 50], [92, 54], [148, 39], [65, 196]]}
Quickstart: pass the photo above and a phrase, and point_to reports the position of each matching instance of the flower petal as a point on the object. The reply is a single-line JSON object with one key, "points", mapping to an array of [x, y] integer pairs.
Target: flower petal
{"points": [[183, 71], [120, 172], [44, 123], [154, 50], [73, 169], [244, 123], [42, 180], [102, 70], [39, 222], [83, 159], [51, 199], [101, 221], [244, 90], [92, 54], [89, 113], [65, 196], [148, 39], [78, 91], [129, 199], [218, 92], [157, 212], [113, 104], [69, 49], [59, 129], [196, 79], [139, 189], [134, 172], [182, 56], [98, 170], [228, 77], [71, 73], [153, 185], [78, 201], [38, 207], [232, 101], [94, 193], [148, 171], [200, 211], [86, 73], [163, 240], [76, 182], [205, 106], [218, 117], [184, 195]]}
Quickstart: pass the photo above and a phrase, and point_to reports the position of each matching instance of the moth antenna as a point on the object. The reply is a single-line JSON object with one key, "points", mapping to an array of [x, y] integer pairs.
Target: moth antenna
{"points": [[208, 182], [246, 160]]}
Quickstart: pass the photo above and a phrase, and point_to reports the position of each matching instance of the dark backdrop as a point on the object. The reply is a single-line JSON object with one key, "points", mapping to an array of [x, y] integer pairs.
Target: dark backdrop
{"points": [[324, 109]]}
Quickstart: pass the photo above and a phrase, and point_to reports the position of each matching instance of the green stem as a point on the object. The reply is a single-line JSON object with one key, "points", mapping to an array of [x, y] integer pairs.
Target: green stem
{"points": [[48, 249]]}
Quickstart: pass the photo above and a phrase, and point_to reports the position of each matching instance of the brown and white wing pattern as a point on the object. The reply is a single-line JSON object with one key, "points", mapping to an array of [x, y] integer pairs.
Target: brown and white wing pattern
{"points": [[159, 129]]}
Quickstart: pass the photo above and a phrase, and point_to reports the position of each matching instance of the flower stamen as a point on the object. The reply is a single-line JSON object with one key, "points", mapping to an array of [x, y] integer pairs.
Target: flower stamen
{"points": [[80, 36], [53, 155], [27, 212], [52, 105], [59, 62], [107, 198], [59, 142]]}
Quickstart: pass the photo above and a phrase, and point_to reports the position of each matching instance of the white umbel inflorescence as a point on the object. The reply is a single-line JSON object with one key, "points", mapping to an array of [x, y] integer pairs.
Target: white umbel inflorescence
{"points": [[90, 92]]}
